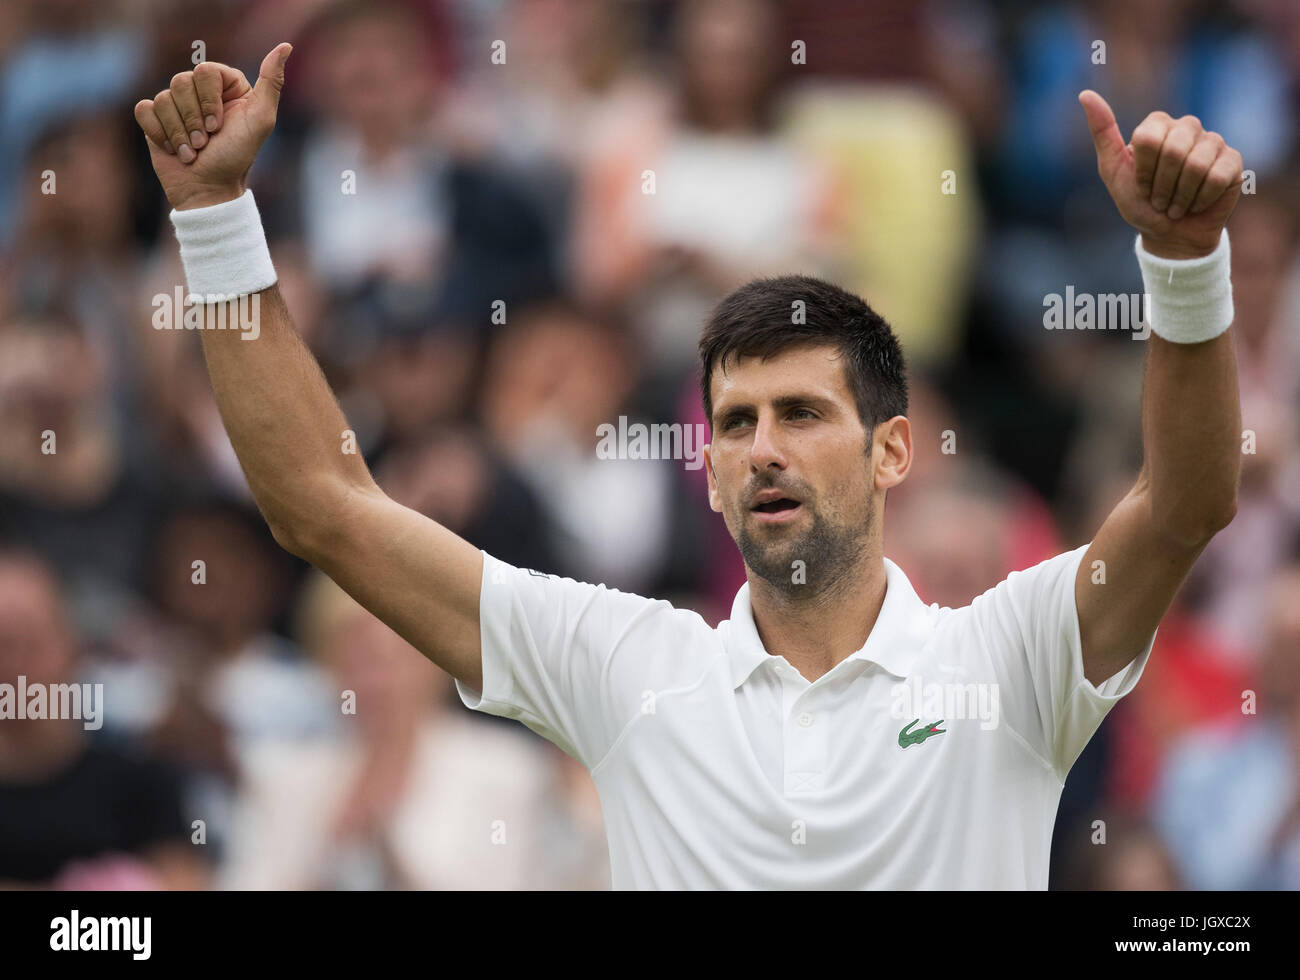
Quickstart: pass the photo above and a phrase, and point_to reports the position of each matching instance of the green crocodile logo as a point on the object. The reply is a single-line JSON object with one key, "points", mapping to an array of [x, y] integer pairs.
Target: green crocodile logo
{"points": [[907, 737]]}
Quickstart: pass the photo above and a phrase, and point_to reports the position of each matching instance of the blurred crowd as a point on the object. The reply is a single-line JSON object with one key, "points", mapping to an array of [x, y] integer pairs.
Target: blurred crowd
{"points": [[499, 225]]}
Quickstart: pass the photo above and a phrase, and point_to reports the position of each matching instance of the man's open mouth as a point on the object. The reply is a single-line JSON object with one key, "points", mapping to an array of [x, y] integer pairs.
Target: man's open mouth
{"points": [[777, 506], [771, 507]]}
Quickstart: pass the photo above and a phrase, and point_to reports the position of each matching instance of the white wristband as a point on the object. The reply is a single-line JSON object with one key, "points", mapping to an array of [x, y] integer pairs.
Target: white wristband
{"points": [[223, 248], [1188, 300]]}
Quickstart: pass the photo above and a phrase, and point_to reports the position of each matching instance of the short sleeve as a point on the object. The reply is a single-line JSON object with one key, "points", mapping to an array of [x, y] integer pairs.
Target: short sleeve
{"points": [[1028, 625], [577, 662]]}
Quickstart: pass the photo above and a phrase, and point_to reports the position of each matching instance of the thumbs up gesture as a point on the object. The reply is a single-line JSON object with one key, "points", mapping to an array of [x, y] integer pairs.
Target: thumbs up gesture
{"points": [[1174, 182], [205, 129]]}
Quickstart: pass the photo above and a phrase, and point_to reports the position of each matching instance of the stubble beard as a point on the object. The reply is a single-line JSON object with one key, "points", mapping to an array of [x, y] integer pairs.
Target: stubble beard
{"points": [[829, 552]]}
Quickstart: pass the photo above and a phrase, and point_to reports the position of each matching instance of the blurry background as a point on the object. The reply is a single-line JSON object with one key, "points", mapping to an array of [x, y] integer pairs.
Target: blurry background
{"points": [[523, 182]]}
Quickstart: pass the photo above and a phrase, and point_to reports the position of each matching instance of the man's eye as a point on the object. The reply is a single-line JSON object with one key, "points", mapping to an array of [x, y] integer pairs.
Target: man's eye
{"points": [[806, 412], [731, 422]]}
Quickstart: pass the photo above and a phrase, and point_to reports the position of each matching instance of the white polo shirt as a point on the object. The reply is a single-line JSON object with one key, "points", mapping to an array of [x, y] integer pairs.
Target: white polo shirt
{"points": [[933, 757]]}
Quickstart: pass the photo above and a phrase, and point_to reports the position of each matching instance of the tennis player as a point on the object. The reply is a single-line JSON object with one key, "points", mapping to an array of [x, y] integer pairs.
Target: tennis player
{"points": [[777, 750]]}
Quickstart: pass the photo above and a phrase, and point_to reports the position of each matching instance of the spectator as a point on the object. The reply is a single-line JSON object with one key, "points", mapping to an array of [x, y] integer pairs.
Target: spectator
{"points": [[77, 811], [377, 195], [414, 794], [554, 376], [701, 190], [1228, 804], [1122, 852]]}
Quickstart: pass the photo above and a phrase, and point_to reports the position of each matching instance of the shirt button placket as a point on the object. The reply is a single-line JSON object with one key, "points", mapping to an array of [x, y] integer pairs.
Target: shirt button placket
{"points": [[805, 751]]}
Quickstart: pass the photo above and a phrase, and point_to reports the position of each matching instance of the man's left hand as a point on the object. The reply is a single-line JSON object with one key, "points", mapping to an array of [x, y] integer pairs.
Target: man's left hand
{"points": [[1174, 182]]}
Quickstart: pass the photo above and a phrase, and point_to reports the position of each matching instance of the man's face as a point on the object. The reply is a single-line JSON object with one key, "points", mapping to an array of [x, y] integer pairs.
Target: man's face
{"points": [[792, 469], [1279, 667], [34, 638]]}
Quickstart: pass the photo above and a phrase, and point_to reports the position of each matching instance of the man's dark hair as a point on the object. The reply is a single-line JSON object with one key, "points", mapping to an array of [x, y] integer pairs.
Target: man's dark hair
{"points": [[761, 319]]}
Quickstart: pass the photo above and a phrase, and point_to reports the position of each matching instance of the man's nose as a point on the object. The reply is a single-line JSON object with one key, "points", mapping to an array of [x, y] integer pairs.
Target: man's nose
{"points": [[766, 449]]}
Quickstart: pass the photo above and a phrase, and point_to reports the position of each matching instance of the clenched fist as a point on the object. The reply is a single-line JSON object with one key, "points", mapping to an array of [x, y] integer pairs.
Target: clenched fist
{"points": [[1174, 182], [204, 131]]}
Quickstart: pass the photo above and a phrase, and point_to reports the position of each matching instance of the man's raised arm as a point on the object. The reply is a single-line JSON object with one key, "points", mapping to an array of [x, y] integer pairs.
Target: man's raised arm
{"points": [[1176, 184], [286, 427]]}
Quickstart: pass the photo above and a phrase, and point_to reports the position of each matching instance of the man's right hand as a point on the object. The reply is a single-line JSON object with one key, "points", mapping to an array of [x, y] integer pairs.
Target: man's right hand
{"points": [[204, 131], [318, 498]]}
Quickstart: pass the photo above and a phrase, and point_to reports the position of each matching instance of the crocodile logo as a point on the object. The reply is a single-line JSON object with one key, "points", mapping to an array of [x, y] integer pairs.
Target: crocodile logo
{"points": [[908, 737]]}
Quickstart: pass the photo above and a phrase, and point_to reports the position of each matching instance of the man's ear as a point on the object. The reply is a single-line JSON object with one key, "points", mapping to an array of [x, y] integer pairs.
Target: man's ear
{"points": [[895, 457], [715, 499]]}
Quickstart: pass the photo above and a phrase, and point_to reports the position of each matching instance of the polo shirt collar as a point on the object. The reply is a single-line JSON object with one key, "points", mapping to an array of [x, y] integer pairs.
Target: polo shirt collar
{"points": [[898, 635]]}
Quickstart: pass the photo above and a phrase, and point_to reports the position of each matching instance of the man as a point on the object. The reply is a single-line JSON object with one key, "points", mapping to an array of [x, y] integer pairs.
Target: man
{"points": [[75, 812], [1228, 800], [798, 745]]}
